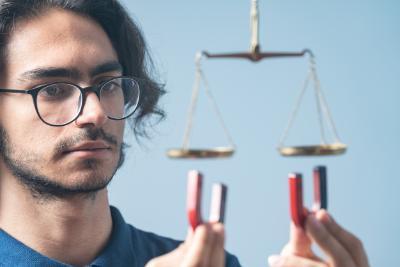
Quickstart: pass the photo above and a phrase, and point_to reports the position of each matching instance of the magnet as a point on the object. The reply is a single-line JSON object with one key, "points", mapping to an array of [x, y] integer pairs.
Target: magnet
{"points": [[218, 201], [320, 188], [194, 191], [297, 211]]}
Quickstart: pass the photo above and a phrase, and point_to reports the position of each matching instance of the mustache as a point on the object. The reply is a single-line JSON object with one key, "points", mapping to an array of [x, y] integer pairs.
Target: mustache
{"points": [[88, 134]]}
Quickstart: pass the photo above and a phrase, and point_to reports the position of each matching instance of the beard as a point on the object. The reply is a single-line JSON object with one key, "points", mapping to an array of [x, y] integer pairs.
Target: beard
{"points": [[43, 187]]}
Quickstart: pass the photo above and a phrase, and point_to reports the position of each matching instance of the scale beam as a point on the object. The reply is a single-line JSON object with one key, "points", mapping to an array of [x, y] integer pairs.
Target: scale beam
{"points": [[256, 56]]}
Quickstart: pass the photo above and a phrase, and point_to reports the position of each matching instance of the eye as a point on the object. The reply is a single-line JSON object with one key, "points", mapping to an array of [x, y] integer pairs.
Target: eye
{"points": [[59, 91], [111, 88]]}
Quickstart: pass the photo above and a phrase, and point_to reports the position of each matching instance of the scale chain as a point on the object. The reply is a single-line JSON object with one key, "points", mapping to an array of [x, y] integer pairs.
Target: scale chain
{"points": [[326, 110], [216, 109], [295, 110], [200, 76], [192, 108], [318, 102], [321, 105]]}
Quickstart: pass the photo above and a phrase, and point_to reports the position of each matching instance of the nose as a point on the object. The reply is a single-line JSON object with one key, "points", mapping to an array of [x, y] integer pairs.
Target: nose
{"points": [[92, 113]]}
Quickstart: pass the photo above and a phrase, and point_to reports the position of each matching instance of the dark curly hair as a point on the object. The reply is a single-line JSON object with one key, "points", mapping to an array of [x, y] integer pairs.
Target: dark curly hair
{"points": [[124, 34]]}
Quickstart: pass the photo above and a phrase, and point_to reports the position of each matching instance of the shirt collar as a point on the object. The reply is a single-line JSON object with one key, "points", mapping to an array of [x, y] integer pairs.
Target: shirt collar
{"points": [[118, 251]]}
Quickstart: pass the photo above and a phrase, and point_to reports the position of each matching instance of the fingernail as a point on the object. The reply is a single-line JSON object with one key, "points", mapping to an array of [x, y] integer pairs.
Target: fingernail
{"points": [[324, 217], [314, 222], [274, 260], [328, 217]]}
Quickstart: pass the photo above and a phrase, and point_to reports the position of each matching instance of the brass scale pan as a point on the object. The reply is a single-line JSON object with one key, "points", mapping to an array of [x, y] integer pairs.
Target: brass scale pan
{"points": [[217, 152], [313, 150]]}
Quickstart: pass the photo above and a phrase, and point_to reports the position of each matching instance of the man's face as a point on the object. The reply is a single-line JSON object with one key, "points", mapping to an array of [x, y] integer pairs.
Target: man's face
{"points": [[83, 155]]}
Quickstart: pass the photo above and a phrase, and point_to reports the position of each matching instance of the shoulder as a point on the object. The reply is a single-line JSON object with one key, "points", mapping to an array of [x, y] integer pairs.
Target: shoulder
{"points": [[232, 260]]}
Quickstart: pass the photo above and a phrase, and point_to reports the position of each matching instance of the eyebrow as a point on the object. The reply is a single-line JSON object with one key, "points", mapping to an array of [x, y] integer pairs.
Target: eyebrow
{"points": [[54, 72], [106, 67]]}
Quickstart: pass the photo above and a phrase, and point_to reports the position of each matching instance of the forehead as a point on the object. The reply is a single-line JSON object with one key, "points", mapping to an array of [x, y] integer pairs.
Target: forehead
{"points": [[58, 38]]}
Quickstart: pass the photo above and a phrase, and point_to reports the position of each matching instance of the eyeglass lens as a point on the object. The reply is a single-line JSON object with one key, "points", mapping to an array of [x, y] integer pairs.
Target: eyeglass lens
{"points": [[61, 103]]}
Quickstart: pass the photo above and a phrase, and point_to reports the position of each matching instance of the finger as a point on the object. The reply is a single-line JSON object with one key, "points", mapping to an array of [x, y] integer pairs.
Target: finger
{"points": [[217, 251], [293, 261], [189, 235], [337, 254], [199, 248], [351, 243], [299, 243]]}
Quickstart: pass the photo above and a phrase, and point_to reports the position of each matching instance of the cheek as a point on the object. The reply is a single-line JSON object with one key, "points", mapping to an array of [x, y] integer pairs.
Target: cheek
{"points": [[20, 119], [18, 111], [29, 138], [118, 128]]}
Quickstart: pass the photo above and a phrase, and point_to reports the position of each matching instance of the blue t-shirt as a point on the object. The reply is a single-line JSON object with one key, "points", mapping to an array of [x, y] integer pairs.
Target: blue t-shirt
{"points": [[128, 246]]}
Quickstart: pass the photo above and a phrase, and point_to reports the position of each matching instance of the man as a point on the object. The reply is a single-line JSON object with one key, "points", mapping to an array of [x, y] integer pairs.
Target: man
{"points": [[72, 72]]}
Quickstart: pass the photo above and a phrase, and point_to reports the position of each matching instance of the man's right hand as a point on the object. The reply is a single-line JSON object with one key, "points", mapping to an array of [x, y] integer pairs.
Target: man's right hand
{"points": [[203, 247], [341, 247]]}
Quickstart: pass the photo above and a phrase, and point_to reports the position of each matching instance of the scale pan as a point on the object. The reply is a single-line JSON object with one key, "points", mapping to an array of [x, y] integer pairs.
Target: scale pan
{"points": [[313, 150], [217, 152]]}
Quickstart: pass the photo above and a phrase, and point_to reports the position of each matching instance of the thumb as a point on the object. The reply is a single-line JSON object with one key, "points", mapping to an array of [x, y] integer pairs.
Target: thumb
{"points": [[299, 243]]}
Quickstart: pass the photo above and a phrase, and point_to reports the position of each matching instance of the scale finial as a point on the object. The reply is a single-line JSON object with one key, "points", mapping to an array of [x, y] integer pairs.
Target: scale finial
{"points": [[254, 27]]}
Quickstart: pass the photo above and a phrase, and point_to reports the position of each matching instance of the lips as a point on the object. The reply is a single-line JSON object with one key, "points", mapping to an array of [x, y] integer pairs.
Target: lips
{"points": [[91, 146]]}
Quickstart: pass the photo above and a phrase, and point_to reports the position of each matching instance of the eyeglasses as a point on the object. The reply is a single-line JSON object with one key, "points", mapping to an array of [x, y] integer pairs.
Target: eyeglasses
{"points": [[60, 103]]}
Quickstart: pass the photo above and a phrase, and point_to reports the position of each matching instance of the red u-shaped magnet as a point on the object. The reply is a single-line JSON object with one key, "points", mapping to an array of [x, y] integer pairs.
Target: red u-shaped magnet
{"points": [[218, 200], [297, 211]]}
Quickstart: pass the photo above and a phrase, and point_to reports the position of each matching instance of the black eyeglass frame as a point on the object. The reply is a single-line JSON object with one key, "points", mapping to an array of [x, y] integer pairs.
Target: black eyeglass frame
{"points": [[83, 90]]}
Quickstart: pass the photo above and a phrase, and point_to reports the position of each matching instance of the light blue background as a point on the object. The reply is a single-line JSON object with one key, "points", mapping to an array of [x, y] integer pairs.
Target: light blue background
{"points": [[356, 44]]}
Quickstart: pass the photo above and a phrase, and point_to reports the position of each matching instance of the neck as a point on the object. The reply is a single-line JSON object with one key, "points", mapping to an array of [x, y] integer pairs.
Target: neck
{"points": [[72, 230]]}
